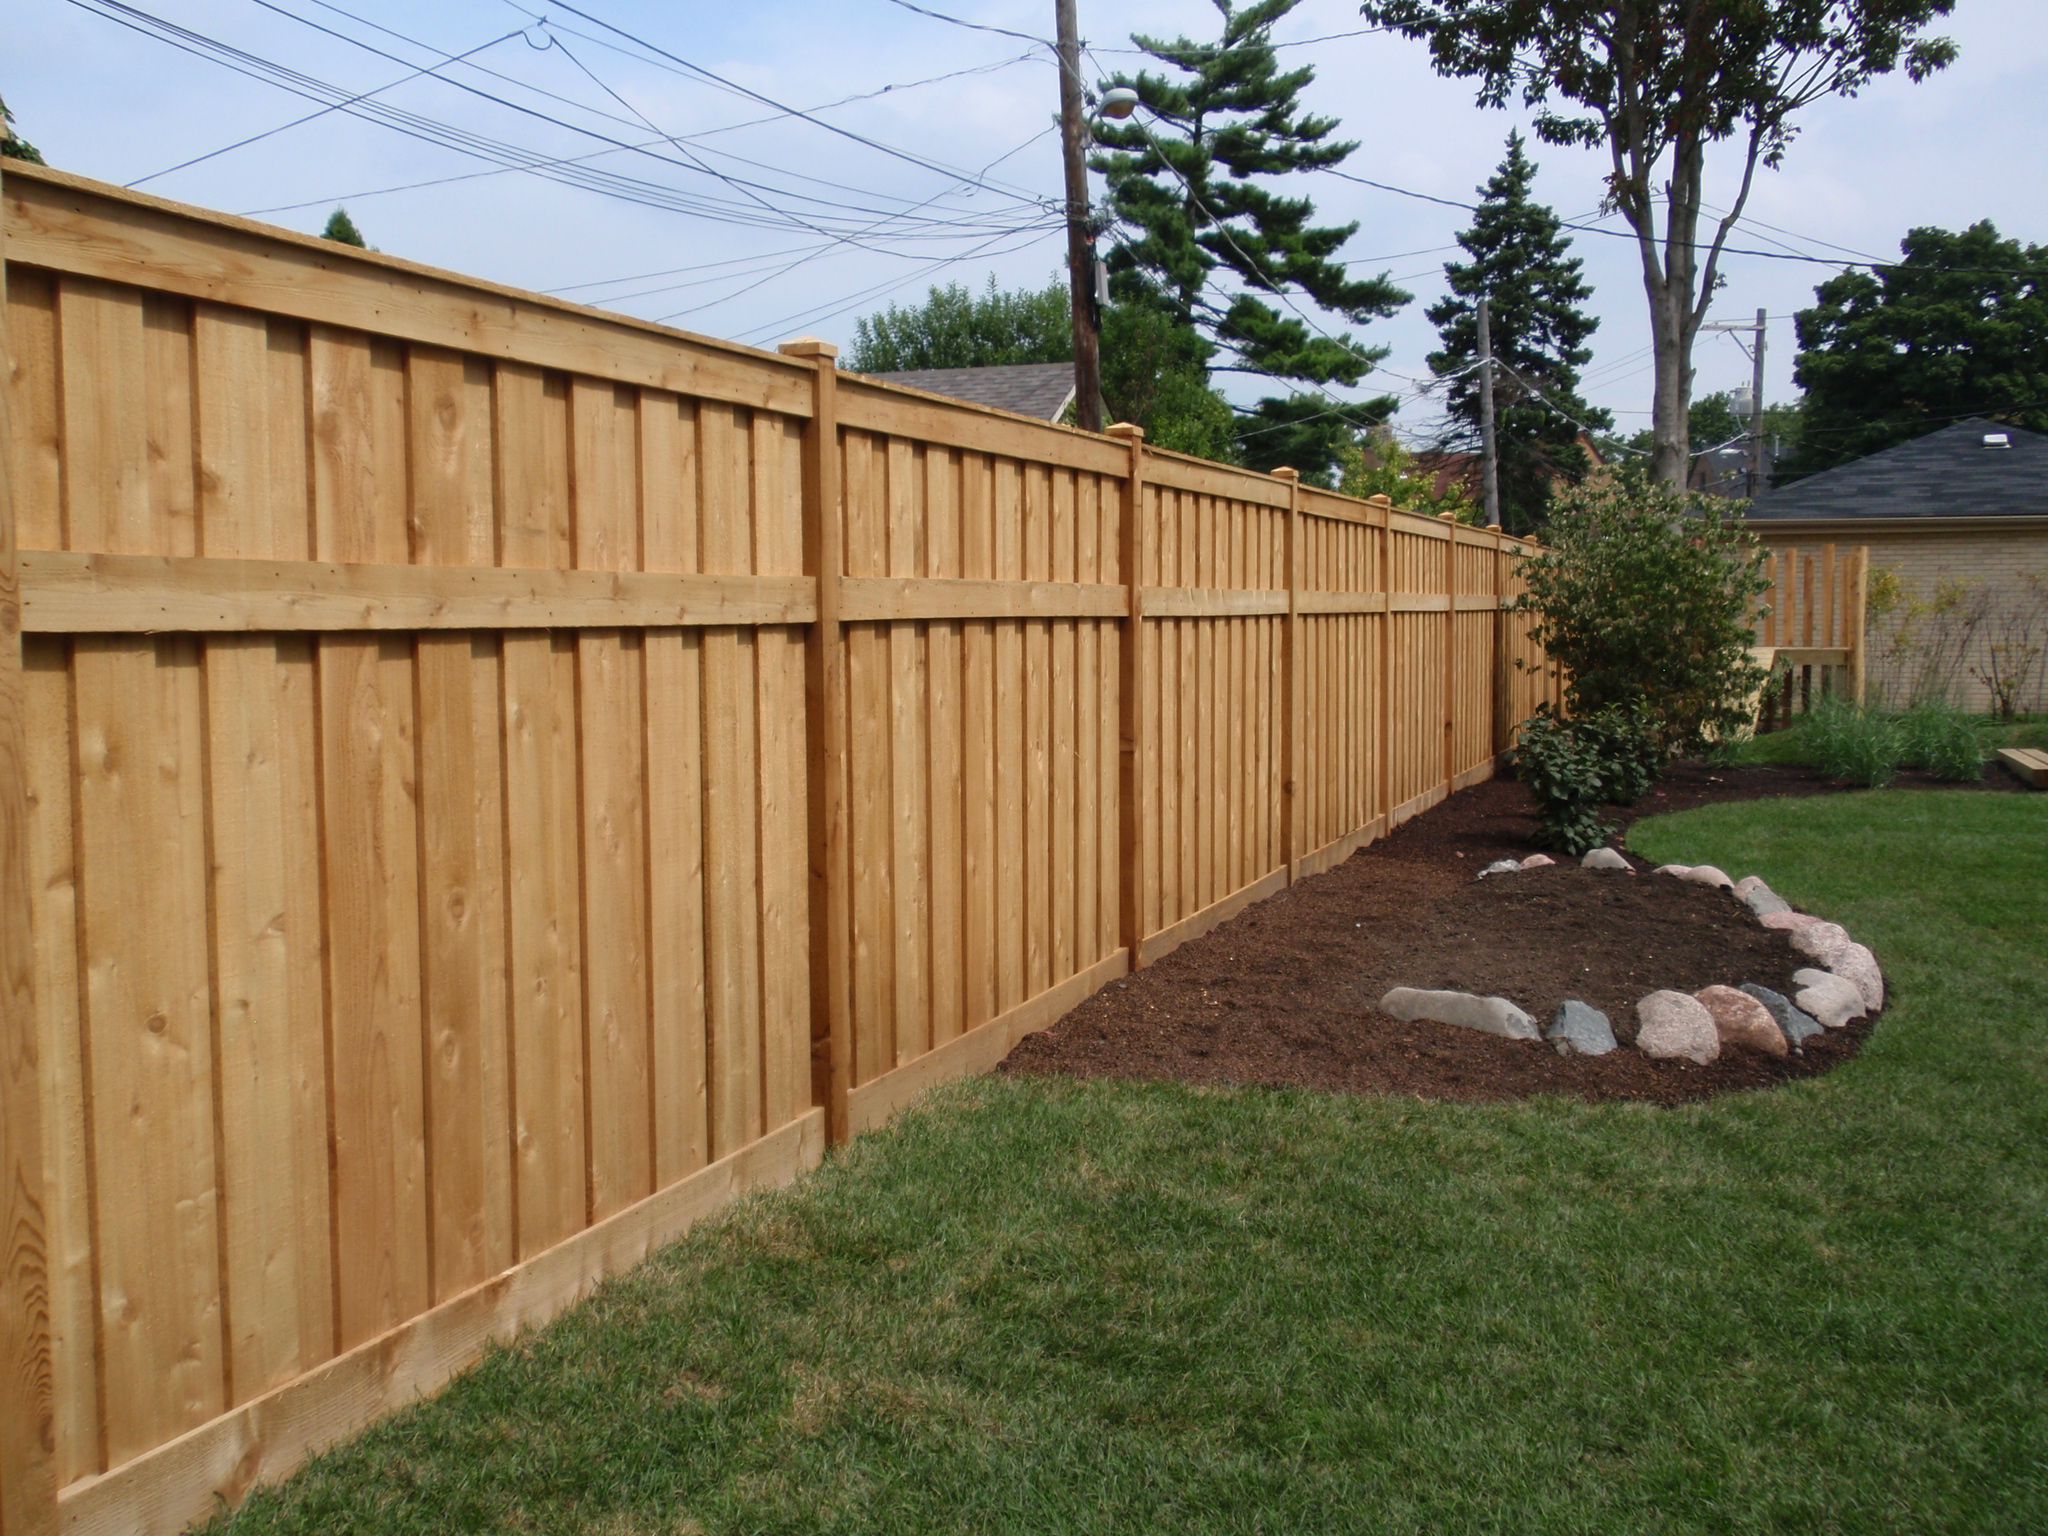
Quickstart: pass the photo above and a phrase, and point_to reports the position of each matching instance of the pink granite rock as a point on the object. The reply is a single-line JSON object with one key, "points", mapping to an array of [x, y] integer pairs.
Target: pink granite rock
{"points": [[1741, 1020], [1672, 1026], [1538, 861], [1828, 997], [1680, 870], [1789, 921], [1821, 941], [1707, 874]]}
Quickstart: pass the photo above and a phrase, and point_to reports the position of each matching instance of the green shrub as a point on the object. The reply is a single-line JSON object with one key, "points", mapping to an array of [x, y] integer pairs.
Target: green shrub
{"points": [[1643, 598], [1624, 739], [1563, 768], [1943, 740], [1855, 746]]}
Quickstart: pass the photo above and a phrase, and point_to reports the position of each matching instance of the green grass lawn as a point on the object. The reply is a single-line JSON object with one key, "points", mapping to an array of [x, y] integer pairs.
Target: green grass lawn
{"points": [[1040, 1307]]}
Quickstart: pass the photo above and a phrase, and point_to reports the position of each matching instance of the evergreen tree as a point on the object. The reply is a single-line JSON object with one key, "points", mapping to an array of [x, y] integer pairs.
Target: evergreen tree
{"points": [[12, 145], [343, 228], [1520, 263], [1209, 243]]}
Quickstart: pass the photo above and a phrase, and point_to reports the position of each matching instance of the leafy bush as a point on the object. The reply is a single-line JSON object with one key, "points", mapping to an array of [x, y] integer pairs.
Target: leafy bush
{"points": [[1563, 768], [1943, 740], [1855, 746], [1624, 740], [1643, 596]]}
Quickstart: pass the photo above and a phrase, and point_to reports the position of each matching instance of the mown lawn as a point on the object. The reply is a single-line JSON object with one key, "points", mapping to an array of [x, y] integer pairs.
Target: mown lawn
{"points": [[1038, 1307]]}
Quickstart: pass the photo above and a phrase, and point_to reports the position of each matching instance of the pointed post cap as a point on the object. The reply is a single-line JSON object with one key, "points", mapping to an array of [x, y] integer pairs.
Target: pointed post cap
{"points": [[808, 346]]}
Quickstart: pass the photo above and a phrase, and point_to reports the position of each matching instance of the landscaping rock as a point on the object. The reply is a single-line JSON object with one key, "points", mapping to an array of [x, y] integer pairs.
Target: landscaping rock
{"points": [[1707, 874], [1821, 941], [1789, 921], [1606, 858], [1680, 870], [1858, 966], [1740, 1019], [1489, 1015], [1828, 997], [1538, 861], [1673, 1026], [1501, 867], [1760, 898], [1580, 1028], [1798, 1025]]}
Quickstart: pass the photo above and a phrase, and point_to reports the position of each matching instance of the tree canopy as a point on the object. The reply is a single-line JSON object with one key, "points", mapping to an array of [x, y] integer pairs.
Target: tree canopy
{"points": [[1209, 243], [1957, 328], [1657, 84], [1520, 263], [956, 328]]}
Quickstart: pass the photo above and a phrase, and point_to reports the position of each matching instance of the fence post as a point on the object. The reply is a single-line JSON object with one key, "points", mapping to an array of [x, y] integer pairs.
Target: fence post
{"points": [[1384, 505], [28, 1489], [1294, 698], [1131, 722], [831, 878], [1503, 669], [1450, 653], [1858, 620]]}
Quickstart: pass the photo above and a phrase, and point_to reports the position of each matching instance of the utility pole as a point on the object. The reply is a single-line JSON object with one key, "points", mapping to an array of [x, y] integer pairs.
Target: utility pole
{"points": [[1756, 413], [1080, 237], [1489, 449]]}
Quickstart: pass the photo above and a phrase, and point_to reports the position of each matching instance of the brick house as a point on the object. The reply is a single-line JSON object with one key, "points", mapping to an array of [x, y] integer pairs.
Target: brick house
{"points": [[1961, 512]]}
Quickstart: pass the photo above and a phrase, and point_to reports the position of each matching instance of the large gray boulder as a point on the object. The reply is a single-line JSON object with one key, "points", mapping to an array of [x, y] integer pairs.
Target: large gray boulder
{"points": [[1798, 1025], [1760, 898], [1828, 997], [1606, 858], [1489, 1015], [1741, 1020], [1857, 965], [1672, 1026], [1821, 941], [1580, 1029]]}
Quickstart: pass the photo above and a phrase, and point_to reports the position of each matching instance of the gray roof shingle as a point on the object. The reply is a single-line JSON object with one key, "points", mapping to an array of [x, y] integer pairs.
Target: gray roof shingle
{"points": [[1041, 390], [1950, 473]]}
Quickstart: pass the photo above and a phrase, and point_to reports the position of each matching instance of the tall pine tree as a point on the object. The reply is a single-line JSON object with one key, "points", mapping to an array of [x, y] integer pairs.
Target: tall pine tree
{"points": [[1520, 263], [1209, 244]]}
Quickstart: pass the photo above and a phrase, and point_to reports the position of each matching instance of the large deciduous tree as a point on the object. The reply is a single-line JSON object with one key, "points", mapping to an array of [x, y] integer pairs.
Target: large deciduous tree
{"points": [[1959, 327], [1211, 245], [1658, 83], [1520, 263], [956, 328]]}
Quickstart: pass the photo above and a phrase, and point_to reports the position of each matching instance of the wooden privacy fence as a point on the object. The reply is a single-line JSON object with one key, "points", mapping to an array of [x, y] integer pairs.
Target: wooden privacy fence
{"points": [[487, 782], [1810, 629]]}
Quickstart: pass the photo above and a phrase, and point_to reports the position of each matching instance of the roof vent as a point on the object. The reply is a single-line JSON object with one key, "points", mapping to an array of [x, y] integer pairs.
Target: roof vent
{"points": [[1997, 440]]}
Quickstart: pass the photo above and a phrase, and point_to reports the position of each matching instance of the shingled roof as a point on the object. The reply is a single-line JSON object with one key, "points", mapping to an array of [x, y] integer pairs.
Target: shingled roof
{"points": [[1960, 471], [1030, 389]]}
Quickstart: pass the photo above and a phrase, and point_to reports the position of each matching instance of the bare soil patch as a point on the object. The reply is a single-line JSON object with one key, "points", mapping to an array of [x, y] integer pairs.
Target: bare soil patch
{"points": [[1284, 994]]}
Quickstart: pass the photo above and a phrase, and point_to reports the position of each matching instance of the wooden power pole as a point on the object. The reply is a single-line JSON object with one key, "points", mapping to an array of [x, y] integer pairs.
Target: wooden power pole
{"points": [[1756, 413], [1489, 448], [1080, 236]]}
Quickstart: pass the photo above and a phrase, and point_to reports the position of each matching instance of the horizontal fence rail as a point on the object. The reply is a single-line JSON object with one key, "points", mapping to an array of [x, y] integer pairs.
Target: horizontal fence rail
{"points": [[491, 781]]}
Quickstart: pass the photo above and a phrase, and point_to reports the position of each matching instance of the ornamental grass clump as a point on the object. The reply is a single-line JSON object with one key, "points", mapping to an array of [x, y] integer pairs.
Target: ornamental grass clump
{"points": [[1943, 740], [1855, 746]]}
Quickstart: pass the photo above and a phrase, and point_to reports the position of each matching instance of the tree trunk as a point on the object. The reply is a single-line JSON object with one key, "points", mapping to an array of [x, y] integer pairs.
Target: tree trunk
{"points": [[1671, 337]]}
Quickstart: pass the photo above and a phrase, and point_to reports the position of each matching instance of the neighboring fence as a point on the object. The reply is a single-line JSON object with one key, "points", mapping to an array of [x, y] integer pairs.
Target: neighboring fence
{"points": [[1812, 629], [499, 780]]}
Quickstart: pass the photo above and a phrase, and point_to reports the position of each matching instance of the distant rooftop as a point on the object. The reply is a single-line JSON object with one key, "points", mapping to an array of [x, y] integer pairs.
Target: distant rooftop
{"points": [[1030, 389], [1976, 468]]}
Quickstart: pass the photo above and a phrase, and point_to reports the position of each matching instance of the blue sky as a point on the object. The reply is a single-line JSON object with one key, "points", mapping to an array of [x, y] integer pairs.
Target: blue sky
{"points": [[104, 101]]}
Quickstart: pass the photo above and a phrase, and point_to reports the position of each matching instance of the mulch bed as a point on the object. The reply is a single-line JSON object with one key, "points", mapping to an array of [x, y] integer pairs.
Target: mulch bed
{"points": [[1283, 995]]}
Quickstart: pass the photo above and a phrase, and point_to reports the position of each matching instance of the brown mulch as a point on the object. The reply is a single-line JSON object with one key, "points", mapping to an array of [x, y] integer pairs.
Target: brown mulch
{"points": [[1283, 995]]}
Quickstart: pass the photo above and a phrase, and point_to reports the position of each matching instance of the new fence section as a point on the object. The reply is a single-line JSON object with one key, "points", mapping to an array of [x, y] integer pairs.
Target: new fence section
{"points": [[1810, 629], [493, 781]]}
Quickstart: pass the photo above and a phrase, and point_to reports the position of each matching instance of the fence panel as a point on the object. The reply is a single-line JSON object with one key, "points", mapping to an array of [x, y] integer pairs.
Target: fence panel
{"points": [[1810, 628], [497, 777]]}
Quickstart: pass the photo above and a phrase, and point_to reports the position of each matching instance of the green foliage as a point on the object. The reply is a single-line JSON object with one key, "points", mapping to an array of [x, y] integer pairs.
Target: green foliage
{"points": [[1155, 373], [12, 145], [1565, 772], [1643, 595], [1943, 740], [340, 227], [1206, 237], [1957, 328], [955, 328], [1538, 327], [1624, 737], [1656, 84], [1382, 467], [1855, 746]]}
